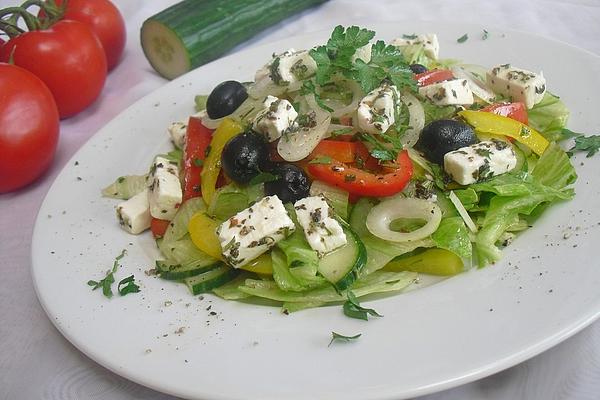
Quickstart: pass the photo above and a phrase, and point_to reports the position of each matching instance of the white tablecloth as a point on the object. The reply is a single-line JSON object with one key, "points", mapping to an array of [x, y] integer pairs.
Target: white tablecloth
{"points": [[36, 362]]}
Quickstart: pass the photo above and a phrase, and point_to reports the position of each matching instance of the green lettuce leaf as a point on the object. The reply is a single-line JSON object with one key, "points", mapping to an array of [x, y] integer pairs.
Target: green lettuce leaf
{"points": [[549, 116], [231, 199], [453, 235], [125, 187]]}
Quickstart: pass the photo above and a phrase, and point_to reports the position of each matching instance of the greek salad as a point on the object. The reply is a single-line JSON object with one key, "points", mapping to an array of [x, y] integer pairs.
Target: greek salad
{"points": [[351, 167]]}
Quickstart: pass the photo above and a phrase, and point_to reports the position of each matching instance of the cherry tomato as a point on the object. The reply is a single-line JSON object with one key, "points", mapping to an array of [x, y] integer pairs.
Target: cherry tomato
{"points": [[434, 76], [67, 57], [360, 182], [105, 20], [516, 111], [28, 127]]}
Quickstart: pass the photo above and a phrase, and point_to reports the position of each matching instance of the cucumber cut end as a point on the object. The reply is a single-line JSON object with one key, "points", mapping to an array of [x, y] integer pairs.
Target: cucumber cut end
{"points": [[164, 49]]}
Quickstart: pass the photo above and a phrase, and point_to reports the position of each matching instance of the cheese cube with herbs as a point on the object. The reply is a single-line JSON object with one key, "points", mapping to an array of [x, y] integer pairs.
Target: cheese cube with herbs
{"points": [[452, 92], [134, 214], [517, 84], [429, 41], [377, 110], [278, 116], [480, 161], [165, 194], [323, 232], [288, 68], [177, 131], [253, 231]]}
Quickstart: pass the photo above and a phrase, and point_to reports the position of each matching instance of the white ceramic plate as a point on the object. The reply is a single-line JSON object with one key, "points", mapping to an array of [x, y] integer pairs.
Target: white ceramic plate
{"points": [[464, 328]]}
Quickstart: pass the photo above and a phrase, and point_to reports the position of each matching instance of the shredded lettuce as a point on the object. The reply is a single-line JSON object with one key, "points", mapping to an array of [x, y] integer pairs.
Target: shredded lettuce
{"points": [[453, 235], [231, 199], [522, 194], [125, 187], [549, 116], [178, 227], [200, 102]]}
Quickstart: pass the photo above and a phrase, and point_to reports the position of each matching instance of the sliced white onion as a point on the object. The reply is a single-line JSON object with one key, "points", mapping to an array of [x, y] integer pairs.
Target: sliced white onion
{"points": [[357, 95], [265, 86], [416, 119], [382, 215], [337, 127], [462, 211], [477, 85], [298, 145]]}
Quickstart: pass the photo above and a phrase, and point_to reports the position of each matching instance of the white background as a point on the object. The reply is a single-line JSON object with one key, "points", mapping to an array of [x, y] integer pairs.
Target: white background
{"points": [[36, 362]]}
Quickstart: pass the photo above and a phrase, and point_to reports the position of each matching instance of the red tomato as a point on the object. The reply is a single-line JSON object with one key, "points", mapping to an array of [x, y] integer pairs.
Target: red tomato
{"points": [[516, 111], [105, 20], [28, 127], [197, 139], [158, 227], [360, 182], [434, 76], [68, 57]]}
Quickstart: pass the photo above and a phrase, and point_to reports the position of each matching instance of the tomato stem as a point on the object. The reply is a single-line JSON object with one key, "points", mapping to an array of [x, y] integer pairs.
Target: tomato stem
{"points": [[11, 30], [31, 21]]}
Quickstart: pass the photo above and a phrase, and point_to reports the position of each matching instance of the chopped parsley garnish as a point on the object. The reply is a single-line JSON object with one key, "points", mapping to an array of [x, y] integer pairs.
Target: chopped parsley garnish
{"points": [[343, 131], [386, 61], [308, 87], [353, 309], [262, 178], [342, 338], [463, 38], [485, 35], [127, 285], [109, 279], [321, 160], [589, 144], [198, 162], [409, 37]]}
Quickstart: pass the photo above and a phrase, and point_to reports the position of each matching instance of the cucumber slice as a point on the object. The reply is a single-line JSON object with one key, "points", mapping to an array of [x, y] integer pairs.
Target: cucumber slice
{"points": [[209, 280], [342, 266], [173, 271]]}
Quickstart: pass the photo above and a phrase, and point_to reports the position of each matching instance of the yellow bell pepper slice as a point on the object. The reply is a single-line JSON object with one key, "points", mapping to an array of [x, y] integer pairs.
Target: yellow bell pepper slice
{"points": [[493, 124], [203, 232], [431, 261], [212, 163]]}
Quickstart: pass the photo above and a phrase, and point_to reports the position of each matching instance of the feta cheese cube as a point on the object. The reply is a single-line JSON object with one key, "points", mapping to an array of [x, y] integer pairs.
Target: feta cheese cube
{"points": [[278, 116], [480, 161], [165, 194], [134, 213], [322, 231], [452, 92], [517, 84], [377, 110], [177, 131], [431, 45], [253, 231], [288, 68]]}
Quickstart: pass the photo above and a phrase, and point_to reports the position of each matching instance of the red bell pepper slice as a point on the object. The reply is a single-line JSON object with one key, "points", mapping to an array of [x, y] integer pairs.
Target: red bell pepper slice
{"points": [[364, 183], [336, 149], [197, 140], [158, 227], [516, 111], [434, 76]]}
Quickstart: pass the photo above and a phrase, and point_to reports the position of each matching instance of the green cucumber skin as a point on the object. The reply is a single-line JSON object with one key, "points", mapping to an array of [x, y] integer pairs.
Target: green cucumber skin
{"points": [[199, 286], [178, 272], [210, 28], [353, 273]]}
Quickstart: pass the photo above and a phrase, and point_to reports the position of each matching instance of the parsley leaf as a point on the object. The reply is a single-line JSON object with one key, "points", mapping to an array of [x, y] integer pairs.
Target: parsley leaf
{"points": [[109, 279], [590, 144], [368, 75], [321, 160], [127, 285], [324, 67], [342, 338], [353, 309], [384, 55], [463, 38], [402, 76], [263, 177]]}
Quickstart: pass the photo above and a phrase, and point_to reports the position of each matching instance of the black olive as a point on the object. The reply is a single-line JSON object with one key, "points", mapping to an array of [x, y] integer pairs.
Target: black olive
{"points": [[418, 68], [442, 136], [291, 185], [245, 156], [225, 98]]}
